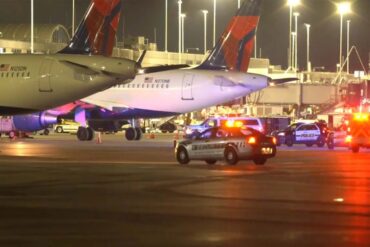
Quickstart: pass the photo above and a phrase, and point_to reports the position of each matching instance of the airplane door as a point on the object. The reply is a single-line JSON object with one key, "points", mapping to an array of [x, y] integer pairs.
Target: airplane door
{"points": [[45, 74], [187, 87]]}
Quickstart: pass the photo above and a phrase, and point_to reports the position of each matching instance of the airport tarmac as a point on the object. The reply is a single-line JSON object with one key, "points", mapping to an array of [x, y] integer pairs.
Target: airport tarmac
{"points": [[56, 191]]}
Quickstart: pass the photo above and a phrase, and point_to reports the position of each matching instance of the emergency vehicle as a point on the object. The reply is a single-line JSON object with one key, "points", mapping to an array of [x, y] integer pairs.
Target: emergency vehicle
{"points": [[302, 133], [359, 132], [251, 122], [229, 144]]}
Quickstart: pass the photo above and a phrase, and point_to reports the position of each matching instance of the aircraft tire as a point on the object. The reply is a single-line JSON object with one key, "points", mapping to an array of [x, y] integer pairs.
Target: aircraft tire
{"points": [[130, 134], [82, 134], [91, 134], [139, 134]]}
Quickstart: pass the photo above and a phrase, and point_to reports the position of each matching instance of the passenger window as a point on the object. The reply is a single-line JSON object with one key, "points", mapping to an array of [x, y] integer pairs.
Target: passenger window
{"points": [[302, 128]]}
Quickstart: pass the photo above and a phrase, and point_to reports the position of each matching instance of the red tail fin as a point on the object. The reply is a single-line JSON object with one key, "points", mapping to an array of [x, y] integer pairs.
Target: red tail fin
{"points": [[234, 49], [97, 31]]}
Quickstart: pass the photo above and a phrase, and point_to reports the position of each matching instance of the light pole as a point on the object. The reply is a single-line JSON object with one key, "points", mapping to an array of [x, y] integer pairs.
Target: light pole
{"points": [[294, 34], [296, 14], [348, 26], [308, 46], [238, 4], [292, 4], [214, 22], [183, 32], [343, 8], [32, 34], [205, 13], [73, 17], [180, 3], [255, 44], [165, 27]]}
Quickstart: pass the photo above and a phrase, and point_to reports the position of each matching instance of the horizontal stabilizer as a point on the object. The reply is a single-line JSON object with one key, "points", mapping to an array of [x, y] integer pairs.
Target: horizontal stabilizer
{"points": [[274, 82]]}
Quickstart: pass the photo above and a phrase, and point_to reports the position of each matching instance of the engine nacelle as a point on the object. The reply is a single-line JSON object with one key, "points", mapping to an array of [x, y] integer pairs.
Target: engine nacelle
{"points": [[34, 122]]}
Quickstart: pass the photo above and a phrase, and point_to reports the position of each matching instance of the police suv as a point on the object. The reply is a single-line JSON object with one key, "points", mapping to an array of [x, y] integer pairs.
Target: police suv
{"points": [[302, 133], [229, 144], [251, 122]]}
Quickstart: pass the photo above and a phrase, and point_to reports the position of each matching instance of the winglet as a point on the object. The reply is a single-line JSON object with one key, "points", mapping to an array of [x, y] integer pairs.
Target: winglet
{"points": [[97, 32], [234, 49], [141, 59]]}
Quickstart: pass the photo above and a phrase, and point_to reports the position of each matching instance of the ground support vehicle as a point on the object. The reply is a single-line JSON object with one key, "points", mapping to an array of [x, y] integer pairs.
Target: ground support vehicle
{"points": [[359, 132], [229, 144], [66, 127]]}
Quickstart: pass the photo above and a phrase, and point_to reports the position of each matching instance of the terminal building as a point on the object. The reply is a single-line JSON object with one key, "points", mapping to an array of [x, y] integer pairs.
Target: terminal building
{"points": [[313, 94]]}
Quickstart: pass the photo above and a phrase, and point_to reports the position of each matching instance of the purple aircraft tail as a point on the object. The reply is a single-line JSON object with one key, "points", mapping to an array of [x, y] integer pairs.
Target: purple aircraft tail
{"points": [[97, 31], [234, 49]]}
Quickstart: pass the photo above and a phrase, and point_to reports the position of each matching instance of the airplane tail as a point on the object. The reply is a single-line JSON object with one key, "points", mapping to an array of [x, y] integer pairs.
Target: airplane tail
{"points": [[234, 49], [97, 32]]}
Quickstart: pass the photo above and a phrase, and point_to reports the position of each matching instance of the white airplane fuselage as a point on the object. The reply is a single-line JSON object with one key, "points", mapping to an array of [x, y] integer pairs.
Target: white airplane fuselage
{"points": [[178, 91]]}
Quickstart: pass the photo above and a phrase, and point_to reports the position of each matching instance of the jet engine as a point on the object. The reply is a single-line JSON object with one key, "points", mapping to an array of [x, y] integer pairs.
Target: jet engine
{"points": [[34, 122]]}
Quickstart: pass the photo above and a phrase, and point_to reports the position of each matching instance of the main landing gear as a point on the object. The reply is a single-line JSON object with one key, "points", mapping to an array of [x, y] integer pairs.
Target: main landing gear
{"points": [[134, 134], [85, 134]]}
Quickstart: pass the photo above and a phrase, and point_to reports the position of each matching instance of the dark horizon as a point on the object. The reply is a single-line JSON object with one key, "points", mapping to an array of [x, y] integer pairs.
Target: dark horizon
{"points": [[140, 18]]}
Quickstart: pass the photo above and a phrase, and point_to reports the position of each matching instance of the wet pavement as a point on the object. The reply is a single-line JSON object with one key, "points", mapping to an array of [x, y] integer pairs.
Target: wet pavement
{"points": [[55, 191]]}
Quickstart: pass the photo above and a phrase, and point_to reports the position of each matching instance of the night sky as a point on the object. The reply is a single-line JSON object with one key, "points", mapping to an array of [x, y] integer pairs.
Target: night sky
{"points": [[141, 17]]}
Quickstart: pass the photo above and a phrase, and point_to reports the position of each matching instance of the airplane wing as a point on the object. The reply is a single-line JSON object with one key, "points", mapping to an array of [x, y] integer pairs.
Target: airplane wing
{"points": [[104, 104]]}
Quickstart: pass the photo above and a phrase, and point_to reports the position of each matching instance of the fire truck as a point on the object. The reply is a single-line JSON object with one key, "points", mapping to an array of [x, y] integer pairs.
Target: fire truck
{"points": [[359, 132]]}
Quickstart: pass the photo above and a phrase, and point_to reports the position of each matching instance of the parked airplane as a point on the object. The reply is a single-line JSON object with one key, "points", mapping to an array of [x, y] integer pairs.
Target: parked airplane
{"points": [[31, 82], [172, 90], [167, 91]]}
